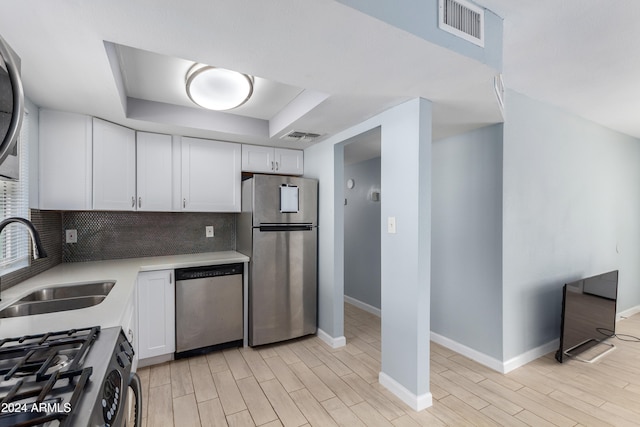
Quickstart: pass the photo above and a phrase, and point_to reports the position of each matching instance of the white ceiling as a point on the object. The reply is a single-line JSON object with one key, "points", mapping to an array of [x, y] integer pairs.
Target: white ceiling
{"points": [[580, 55], [342, 65]]}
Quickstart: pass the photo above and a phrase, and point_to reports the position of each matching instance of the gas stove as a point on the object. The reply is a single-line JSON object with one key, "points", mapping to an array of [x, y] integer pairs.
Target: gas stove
{"points": [[77, 377]]}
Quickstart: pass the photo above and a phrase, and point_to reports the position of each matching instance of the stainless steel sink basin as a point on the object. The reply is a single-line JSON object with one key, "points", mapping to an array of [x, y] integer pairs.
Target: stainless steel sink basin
{"points": [[59, 298], [70, 291]]}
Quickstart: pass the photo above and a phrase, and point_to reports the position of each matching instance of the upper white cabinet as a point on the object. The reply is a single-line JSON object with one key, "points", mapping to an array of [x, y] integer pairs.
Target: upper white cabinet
{"points": [[289, 162], [261, 159], [257, 158], [88, 163], [154, 172], [114, 166], [211, 175], [65, 161]]}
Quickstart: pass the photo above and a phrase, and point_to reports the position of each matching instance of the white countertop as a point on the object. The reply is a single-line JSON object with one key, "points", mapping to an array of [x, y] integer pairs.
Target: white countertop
{"points": [[114, 308]]}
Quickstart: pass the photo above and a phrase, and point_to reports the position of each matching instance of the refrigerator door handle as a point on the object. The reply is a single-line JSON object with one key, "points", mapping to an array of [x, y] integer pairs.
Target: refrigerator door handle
{"points": [[285, 227]]}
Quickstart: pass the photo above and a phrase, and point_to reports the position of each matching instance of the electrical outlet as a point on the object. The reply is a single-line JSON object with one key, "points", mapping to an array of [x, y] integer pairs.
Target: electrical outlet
{"points": [[71, 236], [208, 231]]}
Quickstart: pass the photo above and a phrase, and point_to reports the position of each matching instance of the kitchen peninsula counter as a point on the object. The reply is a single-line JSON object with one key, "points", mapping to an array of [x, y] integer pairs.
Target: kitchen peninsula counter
{"points": [[117, 307]]}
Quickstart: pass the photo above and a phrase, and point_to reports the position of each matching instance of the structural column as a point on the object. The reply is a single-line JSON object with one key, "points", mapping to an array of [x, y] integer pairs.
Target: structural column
{"points": [[406, 251]]}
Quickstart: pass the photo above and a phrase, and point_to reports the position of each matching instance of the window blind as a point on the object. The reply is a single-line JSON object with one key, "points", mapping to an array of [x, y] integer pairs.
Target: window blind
{"points": [[14, 201]]}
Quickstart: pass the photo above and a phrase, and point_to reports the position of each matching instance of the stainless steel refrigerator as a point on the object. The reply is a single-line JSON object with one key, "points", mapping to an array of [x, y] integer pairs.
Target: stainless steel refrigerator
{"points": [[278, 230]]}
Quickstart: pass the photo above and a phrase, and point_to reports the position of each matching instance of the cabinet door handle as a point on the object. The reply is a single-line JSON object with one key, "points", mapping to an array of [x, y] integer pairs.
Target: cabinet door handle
{"points": [[133, 202], [139, 201], [276, 165], [184, 203], [272, 166]]}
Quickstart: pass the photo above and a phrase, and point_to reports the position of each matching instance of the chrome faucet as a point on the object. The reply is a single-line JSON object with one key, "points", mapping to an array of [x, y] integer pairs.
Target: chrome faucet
{"points": [[38, 249]]}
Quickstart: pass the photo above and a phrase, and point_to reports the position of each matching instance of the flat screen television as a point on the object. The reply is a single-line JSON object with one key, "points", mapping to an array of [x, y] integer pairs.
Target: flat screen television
{"points": [[588, 314]]}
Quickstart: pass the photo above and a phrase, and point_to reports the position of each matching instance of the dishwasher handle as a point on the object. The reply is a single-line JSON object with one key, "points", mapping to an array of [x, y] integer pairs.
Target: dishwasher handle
{"points": [[208, 271]]}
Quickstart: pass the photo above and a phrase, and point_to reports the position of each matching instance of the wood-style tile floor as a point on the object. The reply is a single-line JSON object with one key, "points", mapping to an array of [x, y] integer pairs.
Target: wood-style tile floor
{"points": [[305, 382]]}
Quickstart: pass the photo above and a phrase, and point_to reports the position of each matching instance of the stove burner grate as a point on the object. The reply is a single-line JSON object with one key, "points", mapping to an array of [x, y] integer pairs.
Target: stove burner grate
{"points": [[32, 412], [41, 376], [44, 354]]}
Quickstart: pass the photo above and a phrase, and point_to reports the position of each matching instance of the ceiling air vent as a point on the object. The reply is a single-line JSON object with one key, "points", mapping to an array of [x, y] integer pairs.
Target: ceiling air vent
{"points": [[299, 136], [463, 19]]}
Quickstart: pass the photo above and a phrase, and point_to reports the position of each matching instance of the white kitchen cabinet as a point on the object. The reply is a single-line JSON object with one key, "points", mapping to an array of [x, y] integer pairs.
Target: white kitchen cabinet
{"points": [[289, 162], [211, 175], [156, 314], [114, 167], [261, 159], [65, 153], [154, 170]]}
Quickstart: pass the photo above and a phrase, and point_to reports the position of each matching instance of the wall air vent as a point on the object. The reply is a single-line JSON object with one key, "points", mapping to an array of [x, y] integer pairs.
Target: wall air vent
{"points": [[463, 19], [299, 136]]}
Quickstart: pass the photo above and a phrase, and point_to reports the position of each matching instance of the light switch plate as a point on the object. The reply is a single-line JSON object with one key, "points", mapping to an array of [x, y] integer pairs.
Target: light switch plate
{"points": [[71, 236], [209, 231], [391, 225]]}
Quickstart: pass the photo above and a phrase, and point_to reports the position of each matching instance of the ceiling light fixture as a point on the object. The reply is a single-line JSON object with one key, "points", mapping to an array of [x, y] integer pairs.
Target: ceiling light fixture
{"points": [[218, 88]]}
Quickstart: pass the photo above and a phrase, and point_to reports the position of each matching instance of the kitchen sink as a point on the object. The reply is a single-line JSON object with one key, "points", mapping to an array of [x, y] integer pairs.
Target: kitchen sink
{"points": [[59, 298]]}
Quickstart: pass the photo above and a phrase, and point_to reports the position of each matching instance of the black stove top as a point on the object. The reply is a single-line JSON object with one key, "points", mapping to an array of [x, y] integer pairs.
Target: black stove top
{"points": [[41, 376], [54, 379]]}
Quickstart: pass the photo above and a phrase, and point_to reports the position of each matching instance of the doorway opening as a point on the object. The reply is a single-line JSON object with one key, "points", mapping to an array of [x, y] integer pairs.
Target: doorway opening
{"points": [[362, 221]]}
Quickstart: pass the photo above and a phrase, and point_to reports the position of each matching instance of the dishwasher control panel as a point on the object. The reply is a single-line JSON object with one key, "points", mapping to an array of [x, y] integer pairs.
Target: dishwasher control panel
{"points": [[209, 271]]}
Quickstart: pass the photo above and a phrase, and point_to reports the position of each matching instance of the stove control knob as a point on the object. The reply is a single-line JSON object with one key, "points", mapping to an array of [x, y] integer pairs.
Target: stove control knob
{"points": [[123, 360], [126, 347]]}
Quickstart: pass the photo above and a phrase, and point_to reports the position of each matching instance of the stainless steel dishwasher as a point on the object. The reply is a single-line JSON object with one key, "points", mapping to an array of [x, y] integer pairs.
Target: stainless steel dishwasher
{"points": [[209, 305]]}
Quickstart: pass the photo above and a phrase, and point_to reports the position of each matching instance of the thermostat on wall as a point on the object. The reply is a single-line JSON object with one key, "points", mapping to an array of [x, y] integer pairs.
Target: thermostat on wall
{"points": [[350, 183]]}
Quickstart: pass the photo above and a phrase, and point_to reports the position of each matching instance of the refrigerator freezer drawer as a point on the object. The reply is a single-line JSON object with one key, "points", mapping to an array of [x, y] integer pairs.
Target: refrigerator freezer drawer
{"points": [[268, 207], [283, 285]]}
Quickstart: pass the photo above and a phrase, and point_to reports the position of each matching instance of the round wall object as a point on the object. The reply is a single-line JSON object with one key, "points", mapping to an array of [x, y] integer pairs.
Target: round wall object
{"points": [[350, 183]]}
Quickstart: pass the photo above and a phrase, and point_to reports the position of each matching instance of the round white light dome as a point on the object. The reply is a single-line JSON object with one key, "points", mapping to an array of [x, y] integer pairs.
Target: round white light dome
{"points": [[217, 88]]}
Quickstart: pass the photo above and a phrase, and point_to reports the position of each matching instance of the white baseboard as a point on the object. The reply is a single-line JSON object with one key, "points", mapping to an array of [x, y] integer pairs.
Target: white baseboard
{"points": [[472, 354], [155, 360], [363, 306], [417, 403], [530, 356], [331, 341], [628, 313], [491, 362]]}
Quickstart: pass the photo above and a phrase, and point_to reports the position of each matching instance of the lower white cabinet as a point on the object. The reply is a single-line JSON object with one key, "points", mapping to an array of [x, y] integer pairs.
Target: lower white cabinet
{"points": [[156, 313]]}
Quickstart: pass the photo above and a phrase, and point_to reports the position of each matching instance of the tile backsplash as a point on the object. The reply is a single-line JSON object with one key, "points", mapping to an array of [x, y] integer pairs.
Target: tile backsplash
{"points": [[116, 235]]}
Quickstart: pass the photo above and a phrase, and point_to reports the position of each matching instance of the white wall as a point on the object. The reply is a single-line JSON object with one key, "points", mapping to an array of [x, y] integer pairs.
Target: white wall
{"points": [[362, 233], [466, 272], [571, 204]]}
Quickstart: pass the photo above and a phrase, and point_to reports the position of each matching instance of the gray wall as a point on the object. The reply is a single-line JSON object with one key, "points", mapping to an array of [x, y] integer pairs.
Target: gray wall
{"points": [[115, 235], [362, 233], [466, 255], [406, 256], [571, 205]]}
